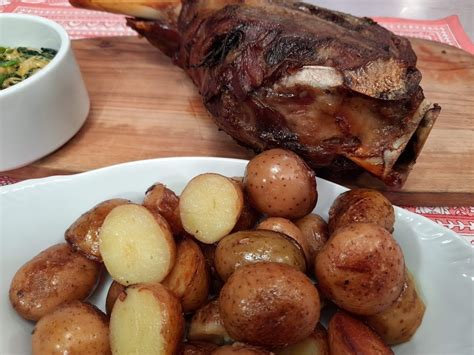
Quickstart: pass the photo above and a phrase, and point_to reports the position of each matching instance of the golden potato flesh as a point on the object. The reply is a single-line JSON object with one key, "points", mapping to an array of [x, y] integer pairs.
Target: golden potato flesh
{"points": [[280, 184], [54, 276], [248, 247], [115, 290], [136, 245], [189, 278], [315, 231], [83, 234], [315, 344], [361, 205], [269, 305], [160, 199], [146, 319], [72, 328], [399, 322], [349, 336], [240, 349], [206, 325], [210, 206], [361, 268]]}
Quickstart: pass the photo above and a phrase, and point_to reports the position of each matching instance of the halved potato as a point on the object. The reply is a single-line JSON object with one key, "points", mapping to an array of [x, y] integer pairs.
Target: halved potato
{"points": [[399, 322], [83, 234], [189, 278], [136, 245], [160, 199], [315, 344], [115, 290], [349, 336], [146, 319], [206, 325], [210, 206]]}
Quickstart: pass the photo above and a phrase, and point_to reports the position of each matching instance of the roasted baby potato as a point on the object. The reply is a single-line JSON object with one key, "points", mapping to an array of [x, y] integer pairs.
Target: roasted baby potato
{"points": [[54, 276], [146, 319], [206, 325], [240, 349], [72, 328], [160, 199], [349, 336], [269, 305], [189, 278], [399, 322], [83, 234], [248, 247], [280, 184], [285, 226], [361, 268], [315, 231], [315, 344], [361, 205], [197, 348], [136, 245], [209, 250], [249, 216], [115, 290], [210, 206]]}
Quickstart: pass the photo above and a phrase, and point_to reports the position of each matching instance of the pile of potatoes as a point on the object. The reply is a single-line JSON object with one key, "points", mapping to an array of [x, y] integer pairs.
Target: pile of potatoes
{"points": [[231, 266]]}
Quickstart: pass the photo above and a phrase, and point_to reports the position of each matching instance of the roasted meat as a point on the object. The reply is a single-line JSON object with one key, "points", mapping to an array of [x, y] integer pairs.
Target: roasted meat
{"points": [[341, 91]]}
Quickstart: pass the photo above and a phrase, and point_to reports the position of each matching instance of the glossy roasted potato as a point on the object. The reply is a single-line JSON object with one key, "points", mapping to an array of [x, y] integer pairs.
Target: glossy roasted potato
{"points": [[209, 250], [399, 322], [361, 268], [83, 234], [197, 348], [315, 231], [249, 216], [56, 275], [248, 247], [349, 336], [287, 227], [72, 328], [115, 290], [240, 349], [280, 184], [361, 205], [210, 206], [136, 245], [206, 325], [315, 344], [146, 319], [189, 278], [160, 199], [269, 305]]}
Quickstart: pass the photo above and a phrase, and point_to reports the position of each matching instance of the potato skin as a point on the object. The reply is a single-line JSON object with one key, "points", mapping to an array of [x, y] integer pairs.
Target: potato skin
{"points": [[348, 336], [240, 349], [54, 276], [197, 348], [280, 184], [315, 344], [83, 234], [315, 231], [115, 290], [249, 216], [189, 279], [72, 328], [206, 325], [361, 205], [361, 268], [160, 199], [269, 305], [399, 322]]}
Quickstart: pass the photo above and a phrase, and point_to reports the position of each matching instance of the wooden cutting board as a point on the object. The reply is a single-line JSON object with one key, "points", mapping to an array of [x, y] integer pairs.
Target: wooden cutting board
{"points": [[144, 107]]}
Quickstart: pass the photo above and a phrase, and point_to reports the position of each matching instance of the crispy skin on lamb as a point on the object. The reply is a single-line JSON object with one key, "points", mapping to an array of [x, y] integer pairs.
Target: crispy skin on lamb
{"points": [[341, 91]]}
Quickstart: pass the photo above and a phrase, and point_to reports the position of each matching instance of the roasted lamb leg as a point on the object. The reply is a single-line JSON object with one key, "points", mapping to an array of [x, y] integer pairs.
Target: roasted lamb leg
{"points": [[341, 91]]}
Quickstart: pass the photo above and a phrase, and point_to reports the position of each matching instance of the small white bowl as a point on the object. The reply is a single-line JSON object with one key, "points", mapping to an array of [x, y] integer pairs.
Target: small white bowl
{"points": [[43, 112]]}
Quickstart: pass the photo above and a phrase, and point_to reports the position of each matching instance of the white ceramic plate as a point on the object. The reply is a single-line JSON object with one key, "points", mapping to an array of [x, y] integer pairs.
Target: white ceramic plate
{"points": [[34, 215]]}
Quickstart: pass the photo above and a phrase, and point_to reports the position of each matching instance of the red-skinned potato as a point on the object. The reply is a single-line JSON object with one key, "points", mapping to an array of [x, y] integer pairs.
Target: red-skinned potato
{"points": [[146, 319], [206, 325], [256, 295], [240, 349], [315, 344], [115, 290], [160, 199], [361, 205], [83, 234], [197, 348], [54, 276], [72, 328], [349, 336], [189, 278], [315, 231], [361, 268], [280, 184]]}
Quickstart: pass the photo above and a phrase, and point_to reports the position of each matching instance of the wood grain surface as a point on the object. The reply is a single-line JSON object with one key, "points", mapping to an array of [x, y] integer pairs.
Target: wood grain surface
{"points": [[144, 107]]}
